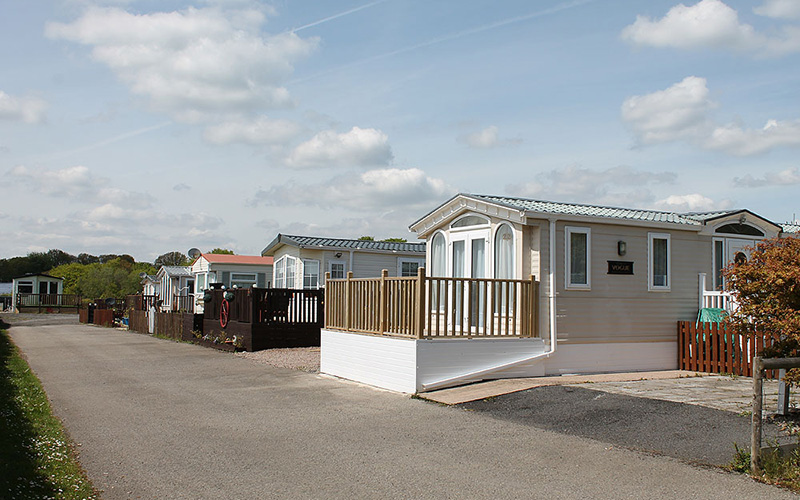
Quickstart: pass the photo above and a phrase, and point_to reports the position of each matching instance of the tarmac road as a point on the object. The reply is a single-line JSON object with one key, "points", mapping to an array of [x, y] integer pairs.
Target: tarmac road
{"points": [[158, 419]]}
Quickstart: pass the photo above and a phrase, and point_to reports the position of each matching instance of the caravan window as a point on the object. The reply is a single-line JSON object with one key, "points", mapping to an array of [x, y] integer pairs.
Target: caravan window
{"points": [[310, 273], [579, 271], [659, 261]]}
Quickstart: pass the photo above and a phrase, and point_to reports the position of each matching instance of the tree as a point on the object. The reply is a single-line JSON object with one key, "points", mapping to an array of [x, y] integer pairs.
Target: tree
{"points": [[395, 240], [221, 251], [366, 238], [59, 258], [767, 288], [116, 278], [171, 259]]}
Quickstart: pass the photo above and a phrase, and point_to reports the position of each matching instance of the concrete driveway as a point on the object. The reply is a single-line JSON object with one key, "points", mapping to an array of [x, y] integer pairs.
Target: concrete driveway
{"points": [[158, 419]]}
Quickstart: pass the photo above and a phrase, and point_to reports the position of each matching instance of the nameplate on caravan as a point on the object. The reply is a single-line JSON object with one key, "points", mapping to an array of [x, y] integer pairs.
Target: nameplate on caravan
{"points": [[620, 267]]}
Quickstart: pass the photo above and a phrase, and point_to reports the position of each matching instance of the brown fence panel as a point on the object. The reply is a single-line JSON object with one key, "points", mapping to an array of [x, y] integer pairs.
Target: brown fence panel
{"points": [[169, 325], [137, 321], [716, 348], [103, 317]]}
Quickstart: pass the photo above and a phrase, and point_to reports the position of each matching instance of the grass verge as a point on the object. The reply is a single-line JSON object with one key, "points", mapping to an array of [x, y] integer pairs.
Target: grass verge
{"points": [[777, 469], [37, 459]]}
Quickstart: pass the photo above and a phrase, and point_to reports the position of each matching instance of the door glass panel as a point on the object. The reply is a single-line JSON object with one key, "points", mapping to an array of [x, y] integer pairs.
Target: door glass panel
{"points": [[458, 259], [477, 294], [459, 269]]}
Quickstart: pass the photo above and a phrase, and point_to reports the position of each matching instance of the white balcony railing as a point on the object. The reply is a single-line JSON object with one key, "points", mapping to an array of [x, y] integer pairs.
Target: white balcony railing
{"points": [[715, 298]]}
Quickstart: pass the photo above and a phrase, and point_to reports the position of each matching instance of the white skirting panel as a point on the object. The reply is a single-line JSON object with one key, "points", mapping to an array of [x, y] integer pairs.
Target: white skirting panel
{"points": [[445, 359], [387, 362], [612, 357], [408, 365]]}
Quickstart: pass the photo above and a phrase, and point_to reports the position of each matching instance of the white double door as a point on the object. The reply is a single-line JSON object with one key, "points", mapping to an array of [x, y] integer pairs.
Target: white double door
{"points": [[468, 259]]}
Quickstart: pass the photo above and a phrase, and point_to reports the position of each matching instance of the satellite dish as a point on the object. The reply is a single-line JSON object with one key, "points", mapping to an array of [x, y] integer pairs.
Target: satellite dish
{"points": [[194, 253], [111, 301], [142, 275]]}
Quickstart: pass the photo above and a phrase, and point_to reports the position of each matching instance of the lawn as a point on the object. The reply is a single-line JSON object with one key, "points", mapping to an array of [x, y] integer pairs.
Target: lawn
{"points": [[37, 458]]}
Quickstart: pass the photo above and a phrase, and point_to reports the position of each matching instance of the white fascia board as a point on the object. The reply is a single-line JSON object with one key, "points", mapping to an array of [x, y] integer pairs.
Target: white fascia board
{"points": [[459, 205], [587, 219]]}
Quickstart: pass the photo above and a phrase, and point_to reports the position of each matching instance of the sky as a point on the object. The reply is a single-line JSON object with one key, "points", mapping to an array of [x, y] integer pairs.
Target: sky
{"points": [[145, 127]]}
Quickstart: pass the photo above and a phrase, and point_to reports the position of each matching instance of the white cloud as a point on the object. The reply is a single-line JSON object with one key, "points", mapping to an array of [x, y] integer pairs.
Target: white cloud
{"points": [[666, 115], [744, 142], [710, 24], [77, 183], [380, 189], [691, 203], [26, 109], [787, 177], [358, 147], [71, 182], [780, 9], [262, 130], [195, 64], [487, 138], [618, 186], [682, 112]]}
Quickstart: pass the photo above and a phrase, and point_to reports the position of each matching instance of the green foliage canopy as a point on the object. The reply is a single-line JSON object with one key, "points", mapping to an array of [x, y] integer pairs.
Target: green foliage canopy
{"points": [[221, 251], [116, 278], [767, 288], [171, 259]]}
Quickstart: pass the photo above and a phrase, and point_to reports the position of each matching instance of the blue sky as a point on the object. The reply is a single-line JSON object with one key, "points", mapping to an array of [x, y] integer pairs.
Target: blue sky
{"points": [[144, 127]]}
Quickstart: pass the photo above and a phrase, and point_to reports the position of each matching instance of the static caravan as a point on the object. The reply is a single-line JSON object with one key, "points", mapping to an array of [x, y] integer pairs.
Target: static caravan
{"points": [[31, 292], [543, 288], [174, 288], [302, 261], [240, 271]]}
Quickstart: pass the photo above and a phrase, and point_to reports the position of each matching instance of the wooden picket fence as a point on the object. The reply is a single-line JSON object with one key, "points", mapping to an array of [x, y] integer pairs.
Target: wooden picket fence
{"points": [[716, 348]]}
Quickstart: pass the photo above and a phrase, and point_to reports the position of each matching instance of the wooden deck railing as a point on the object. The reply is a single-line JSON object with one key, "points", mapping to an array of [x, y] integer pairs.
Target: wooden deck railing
{"points": [[433, 307], [269, 306], [183, 303], [47, 300], [140, 302], [715, 298]]}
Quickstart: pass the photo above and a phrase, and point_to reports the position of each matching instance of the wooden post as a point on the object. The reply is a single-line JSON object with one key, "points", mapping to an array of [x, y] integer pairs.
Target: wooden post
{"points": [[383, 301], [328, 304], [420, 326], [347, 295], [534, 307], [755, 439], [783, 393]]}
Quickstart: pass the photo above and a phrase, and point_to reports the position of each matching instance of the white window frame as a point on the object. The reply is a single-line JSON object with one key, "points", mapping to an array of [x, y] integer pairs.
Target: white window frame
{"points": [[344, 268], [716, 273], [244, 280], [281, 271], [513, 250], [314, 277], [650, 285], [568, 284], [407, 260]]}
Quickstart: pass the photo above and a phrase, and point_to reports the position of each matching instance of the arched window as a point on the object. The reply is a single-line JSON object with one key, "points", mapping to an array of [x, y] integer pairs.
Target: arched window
{"points": [[504, 252], [739, 229], [469, 220], [438, 256]]}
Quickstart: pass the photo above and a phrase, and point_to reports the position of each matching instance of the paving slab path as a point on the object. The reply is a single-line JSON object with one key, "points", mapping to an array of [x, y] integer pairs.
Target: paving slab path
{"points": [[158, 419]]}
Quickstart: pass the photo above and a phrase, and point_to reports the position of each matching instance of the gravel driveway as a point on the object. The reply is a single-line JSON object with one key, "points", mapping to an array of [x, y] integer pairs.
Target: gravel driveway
{"points": [[299, 358]]}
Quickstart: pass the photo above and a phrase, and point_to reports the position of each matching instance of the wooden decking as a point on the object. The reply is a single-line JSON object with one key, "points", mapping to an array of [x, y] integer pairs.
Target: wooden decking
{"points": [[433, 307]]}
